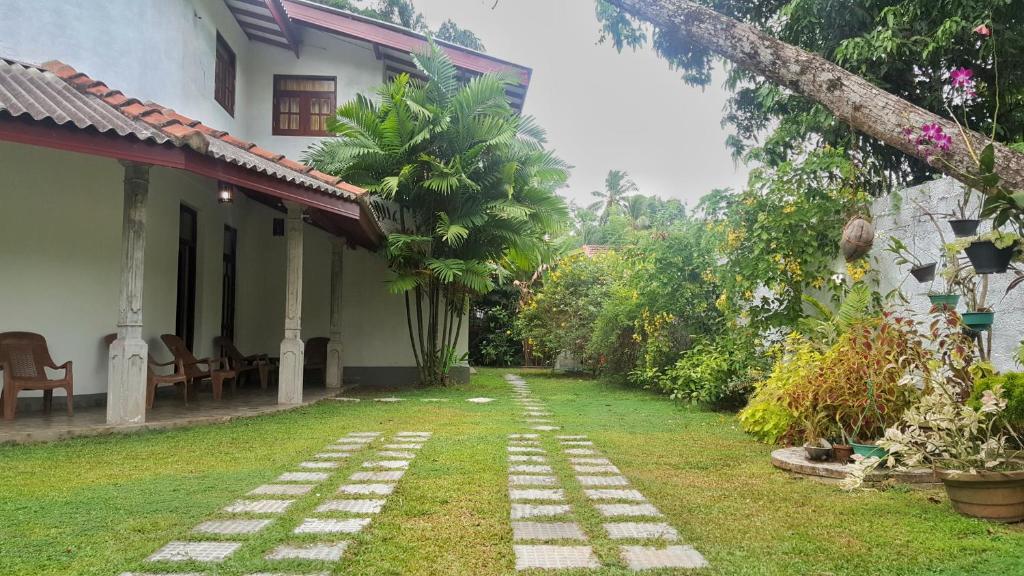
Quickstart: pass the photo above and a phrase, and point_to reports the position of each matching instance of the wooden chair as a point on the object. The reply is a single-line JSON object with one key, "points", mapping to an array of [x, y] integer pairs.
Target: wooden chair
{"points": [[24, 358], [241, 363], [316, 356], [213, 369], [153, 379]]}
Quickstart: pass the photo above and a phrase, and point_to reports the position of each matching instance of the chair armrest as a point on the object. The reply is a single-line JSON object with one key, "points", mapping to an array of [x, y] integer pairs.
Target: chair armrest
{"points": [[162, 364], [66, 367], [219, 363]]}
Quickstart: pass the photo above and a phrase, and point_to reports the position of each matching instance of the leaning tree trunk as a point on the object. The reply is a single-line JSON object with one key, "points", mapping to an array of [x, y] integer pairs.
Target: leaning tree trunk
{"points": [[854, 100]]}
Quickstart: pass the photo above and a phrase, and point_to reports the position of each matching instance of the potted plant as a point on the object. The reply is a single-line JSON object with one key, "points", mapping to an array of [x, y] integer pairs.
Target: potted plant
{"points": [[972, 451], [815, 445], [841, 449], [921, 271], [990, 253], [961, 220], [944, 300], [868, 448], [979, 320]]}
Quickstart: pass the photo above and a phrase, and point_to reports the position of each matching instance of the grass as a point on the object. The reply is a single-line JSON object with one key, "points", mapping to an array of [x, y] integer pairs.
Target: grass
{"points": [[101, 505]]}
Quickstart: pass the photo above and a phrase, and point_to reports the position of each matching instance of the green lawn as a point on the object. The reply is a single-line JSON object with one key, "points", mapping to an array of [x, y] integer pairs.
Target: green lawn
{"points": [[99, 506]]}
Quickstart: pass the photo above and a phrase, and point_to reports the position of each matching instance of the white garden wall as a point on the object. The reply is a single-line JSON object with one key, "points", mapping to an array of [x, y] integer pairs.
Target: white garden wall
{"points": [[904, 215]]}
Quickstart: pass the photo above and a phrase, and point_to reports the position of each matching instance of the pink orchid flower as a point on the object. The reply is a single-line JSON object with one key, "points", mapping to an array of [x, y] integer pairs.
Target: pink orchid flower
{"points": [[961, 77], [983, 30], [931, 131]]}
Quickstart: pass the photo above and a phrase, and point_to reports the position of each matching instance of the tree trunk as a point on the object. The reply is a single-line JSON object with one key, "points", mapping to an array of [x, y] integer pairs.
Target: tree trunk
{"points": [[862, 105]]}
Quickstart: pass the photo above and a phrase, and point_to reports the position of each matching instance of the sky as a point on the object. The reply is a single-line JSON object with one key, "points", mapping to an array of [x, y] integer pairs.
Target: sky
{"points": [[604, 110]]}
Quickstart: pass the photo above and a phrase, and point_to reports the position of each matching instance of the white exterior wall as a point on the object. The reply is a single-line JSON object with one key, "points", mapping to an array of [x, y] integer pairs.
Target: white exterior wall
{"points": [[353, 64], [906, 219], [164, 51], [159, 50], [60, 250], [60, 245], [60, 272]]}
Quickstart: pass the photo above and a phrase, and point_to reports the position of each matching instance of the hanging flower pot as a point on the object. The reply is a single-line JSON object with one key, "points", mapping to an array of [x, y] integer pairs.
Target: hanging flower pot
{"points": [[964, 228], [948, 301], [858, 237], [988, 259], [978, 321], [925, 273]]}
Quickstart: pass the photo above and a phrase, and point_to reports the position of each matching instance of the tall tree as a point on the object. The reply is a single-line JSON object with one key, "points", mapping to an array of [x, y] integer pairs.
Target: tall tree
{"points": [[688, 31], [617, 185], [449, 31], [473, 184], [638, 208]]}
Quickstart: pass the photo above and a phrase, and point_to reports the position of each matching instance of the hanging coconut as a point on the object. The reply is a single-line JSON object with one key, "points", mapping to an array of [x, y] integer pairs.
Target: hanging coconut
{"points": [[858, 237]]}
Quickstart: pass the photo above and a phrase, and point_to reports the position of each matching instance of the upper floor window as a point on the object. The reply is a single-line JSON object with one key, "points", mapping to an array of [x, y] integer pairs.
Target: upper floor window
{"points": [[224, 76], [303, 104]]}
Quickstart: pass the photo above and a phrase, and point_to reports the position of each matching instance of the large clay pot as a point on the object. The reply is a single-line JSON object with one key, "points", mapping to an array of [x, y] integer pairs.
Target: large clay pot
{"points": [[858, 237], [997, 496]]}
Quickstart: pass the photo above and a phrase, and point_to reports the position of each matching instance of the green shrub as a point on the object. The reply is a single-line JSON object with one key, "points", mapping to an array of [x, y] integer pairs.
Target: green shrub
{"points": [[1013, 390], [719, 372], [768, 416]]}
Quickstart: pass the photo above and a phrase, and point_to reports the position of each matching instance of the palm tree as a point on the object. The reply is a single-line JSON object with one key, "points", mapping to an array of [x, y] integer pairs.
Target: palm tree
{"points": [[473, 185], [616, 186], [638, 209]]}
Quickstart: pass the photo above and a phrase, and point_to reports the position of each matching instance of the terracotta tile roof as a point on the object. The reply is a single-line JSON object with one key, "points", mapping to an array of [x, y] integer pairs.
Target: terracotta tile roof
{"points": [[32, 91], [42, 92]]}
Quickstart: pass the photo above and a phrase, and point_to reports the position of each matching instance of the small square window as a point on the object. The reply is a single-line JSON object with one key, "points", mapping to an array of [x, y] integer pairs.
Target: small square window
{"points": [[224, 76], [303, 105]]}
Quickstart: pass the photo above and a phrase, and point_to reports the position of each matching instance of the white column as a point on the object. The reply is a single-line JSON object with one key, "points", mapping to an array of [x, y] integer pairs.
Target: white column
{"points": [[126, 375], [335, 368], [292, 349]]}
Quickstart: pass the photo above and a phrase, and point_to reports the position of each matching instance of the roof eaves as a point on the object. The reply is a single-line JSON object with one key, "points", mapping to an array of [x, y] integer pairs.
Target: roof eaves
{"points": [[184, 131], [526, 71]]}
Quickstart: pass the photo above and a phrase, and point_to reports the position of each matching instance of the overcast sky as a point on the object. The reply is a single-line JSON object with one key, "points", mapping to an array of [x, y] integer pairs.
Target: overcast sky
{"points": [[604, 110]]}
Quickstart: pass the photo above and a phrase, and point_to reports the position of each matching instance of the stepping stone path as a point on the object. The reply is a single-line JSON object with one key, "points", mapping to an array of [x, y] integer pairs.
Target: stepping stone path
{"points": [[338, 509], [540, 516], [359, 498]]}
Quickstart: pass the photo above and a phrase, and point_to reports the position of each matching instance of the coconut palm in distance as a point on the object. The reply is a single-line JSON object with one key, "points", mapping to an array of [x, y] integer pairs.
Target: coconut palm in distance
{"points": [[465, 182], [617, 185]]}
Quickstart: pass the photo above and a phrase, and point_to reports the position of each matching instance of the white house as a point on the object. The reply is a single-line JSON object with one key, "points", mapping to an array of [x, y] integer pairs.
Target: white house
{"points": [[151, 184]]}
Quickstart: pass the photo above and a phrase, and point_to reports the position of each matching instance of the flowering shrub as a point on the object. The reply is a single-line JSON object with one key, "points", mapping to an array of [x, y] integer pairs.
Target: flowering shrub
{"points": [[780, 235]]}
